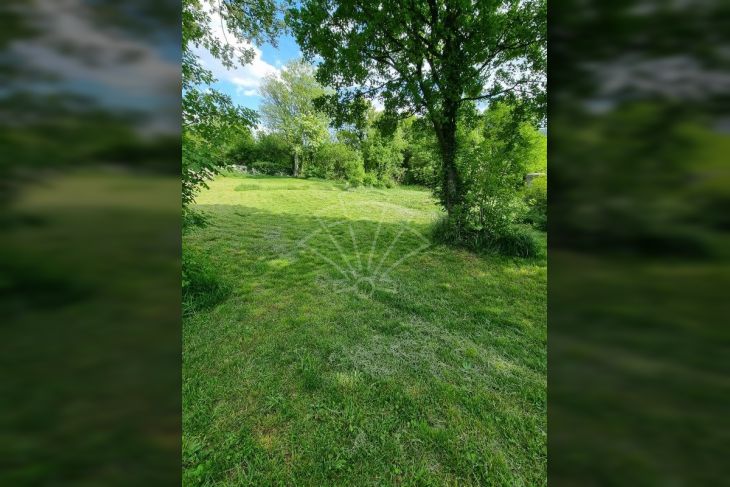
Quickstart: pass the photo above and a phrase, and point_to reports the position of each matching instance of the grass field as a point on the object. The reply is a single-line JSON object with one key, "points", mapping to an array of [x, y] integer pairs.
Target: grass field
{"points": [[91, 330], [351, 351]]}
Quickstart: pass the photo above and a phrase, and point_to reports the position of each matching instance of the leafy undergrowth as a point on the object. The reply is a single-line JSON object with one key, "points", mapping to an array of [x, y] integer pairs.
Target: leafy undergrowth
{"points": [[353, 351]]}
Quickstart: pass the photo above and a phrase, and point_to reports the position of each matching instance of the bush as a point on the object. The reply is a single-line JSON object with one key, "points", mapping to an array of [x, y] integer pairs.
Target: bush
{"points": [[512, 240], [353, 170], [536, 199], [337, 161], [517, 241], [192, 219], [421, 158], [383, 156], [268, 154], [267, 167], [201, 286], [421, 168], [370, 179]]}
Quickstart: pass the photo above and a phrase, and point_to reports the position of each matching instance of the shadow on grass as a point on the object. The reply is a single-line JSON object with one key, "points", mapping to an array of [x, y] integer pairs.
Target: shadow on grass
{"points": [[362, 326], [394, 263]]}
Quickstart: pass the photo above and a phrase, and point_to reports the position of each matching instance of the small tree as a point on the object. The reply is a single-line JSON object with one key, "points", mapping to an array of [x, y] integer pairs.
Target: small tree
{"points": [[495, 149], [288, 108]]}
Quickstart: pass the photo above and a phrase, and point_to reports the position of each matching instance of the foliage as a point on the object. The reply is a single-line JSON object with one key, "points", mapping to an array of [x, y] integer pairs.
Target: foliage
{"points": [[371, 179], [335, 160], [536, 200], [445, 366], [382, 147], [383, 153], [210, 120], [242, 150], [537, 158], [267, 153], [274, 149], [421, 157], [429, 58], [288, 109], [201, 284], [495, 150]]}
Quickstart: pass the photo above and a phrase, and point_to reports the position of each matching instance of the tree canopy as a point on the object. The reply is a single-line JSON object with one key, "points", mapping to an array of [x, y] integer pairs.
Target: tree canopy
{"points": [[427, 57]]}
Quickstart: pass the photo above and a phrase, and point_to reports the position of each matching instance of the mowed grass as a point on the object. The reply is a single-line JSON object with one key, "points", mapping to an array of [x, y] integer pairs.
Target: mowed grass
{"points": [[351, 351]]}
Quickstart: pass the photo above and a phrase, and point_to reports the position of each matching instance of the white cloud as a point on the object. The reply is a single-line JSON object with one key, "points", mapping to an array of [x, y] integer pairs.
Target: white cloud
{"points": [[64, 23], [246, 78], [127, 70]]}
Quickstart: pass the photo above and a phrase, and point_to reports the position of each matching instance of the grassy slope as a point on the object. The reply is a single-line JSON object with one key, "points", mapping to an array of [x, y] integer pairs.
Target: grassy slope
{"points": [[432, 375]]}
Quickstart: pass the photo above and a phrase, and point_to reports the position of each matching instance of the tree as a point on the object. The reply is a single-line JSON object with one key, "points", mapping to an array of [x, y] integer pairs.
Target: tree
{"points": [[420, 159], [493, 158], [209, 117], [427, 57], [383, 150], [288, 108]]}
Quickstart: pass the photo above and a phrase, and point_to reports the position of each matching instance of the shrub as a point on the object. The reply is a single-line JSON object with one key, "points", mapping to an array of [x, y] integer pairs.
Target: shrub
{"points": [[353, 170], [421, 167], [512, 240], [335, 160], [242, 151], [267, 167], [421, 158], [370, 179], [383, 156], [535, 197], [201, 286], [268, 154], [516, 241]]}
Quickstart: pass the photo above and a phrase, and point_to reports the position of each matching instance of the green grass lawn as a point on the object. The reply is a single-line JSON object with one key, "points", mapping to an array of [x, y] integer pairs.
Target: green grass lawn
{"points": [[351, 351]]}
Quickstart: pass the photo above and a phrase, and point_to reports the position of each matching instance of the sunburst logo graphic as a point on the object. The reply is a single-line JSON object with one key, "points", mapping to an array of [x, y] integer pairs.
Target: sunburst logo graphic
{"points": [[363, 253]]}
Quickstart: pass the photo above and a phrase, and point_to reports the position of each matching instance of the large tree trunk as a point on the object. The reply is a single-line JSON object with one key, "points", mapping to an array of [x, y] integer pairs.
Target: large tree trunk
{"points": [[451, 187], [295, 168]]}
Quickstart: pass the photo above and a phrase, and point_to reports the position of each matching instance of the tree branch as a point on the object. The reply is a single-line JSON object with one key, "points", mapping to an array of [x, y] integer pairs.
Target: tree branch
{"points": [[493, 94]]}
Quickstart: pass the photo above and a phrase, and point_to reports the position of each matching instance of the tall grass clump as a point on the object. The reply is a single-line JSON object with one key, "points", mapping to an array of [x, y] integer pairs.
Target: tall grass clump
{"points": [[512, 240], [202, 287]]}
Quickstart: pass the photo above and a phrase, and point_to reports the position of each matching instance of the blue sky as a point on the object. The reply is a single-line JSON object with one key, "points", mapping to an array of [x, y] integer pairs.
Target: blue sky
{"points": [[242, 83]]}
